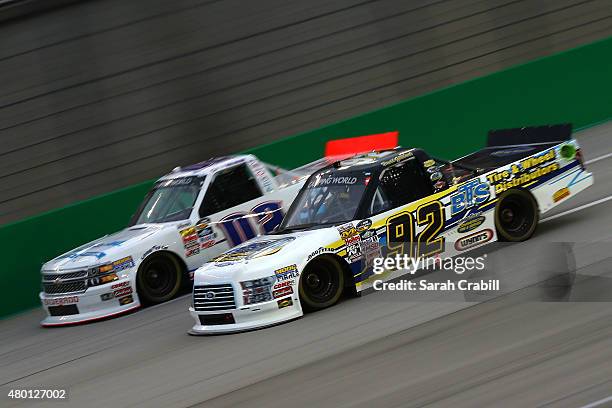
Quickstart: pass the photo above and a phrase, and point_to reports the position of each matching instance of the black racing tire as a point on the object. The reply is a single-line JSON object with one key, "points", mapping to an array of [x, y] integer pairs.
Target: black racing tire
{"points": [[159, 279], [516, 216], [321, 283]]}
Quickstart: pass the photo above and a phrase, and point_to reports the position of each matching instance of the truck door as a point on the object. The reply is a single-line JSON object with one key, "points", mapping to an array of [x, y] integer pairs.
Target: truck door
{"points": [[228, 191], [410, 231]]}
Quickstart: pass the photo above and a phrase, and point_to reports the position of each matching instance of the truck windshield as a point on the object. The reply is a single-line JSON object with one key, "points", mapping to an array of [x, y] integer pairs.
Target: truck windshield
{"points": [[327, 198], [169, 200]]}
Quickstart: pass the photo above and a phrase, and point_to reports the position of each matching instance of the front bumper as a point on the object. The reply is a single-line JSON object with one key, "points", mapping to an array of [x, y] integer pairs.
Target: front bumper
{"points": [[247, 317], [66, 309]]}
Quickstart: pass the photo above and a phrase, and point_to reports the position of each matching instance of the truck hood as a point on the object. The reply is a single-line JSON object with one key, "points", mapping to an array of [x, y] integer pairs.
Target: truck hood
{"points": [[263, 255], [106, 249]]}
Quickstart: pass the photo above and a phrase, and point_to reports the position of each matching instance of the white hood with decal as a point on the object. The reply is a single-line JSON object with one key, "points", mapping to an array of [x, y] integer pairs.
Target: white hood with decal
{"points": [[106, 249], [261, 256]]}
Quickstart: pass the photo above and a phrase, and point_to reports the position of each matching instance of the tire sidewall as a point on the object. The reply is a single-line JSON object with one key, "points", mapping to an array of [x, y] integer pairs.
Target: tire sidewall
{"points": [[147, 298], [308, 304], [528, 198]]}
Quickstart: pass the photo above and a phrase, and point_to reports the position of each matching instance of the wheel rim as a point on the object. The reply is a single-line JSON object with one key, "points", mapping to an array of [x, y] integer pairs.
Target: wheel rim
{"points": [[516, 216], [321, 284], [159, 278]]}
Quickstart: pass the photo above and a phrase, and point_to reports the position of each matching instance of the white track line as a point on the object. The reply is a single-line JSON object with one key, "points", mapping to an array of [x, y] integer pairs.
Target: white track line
{"points": [[582, 207], [598, 403], [596, 159]]}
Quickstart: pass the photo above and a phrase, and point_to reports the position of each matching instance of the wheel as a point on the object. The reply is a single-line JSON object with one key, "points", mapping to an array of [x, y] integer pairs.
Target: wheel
{"points": [[159, 279], [516, 216], [321, 283]]}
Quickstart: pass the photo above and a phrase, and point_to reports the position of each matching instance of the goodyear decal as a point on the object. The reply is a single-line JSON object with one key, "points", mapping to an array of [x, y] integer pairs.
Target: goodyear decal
{"points": [[284, 302]]}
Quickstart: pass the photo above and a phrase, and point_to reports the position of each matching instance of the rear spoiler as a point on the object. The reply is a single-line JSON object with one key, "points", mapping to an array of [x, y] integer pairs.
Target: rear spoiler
{"points": [[530, 135]]}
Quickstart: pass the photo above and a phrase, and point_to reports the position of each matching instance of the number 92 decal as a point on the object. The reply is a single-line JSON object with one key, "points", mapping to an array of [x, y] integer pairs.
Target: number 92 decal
{"points": [[401, 231]]}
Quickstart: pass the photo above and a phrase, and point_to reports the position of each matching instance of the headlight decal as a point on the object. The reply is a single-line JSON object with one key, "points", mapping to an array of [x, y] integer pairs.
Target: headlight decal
{"points": [[108, 272], [257, 290]]}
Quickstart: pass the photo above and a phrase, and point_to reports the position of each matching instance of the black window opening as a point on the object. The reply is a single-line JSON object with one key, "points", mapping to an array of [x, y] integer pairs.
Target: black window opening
{"points": [[229, 188], [402, 184]]}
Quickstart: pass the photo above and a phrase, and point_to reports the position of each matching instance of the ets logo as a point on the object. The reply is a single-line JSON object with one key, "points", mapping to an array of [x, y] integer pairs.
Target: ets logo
{"points": [[468, 195]]}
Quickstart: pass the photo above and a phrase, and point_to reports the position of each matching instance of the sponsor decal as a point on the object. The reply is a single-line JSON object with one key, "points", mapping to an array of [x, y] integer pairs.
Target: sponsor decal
{"points": [[190, 241], [204, 229], [122, 292], [70, 300], [192, 249], [474, 240], [468, 195], [363, 225], [331, 181], [283, 289], [284, 284], [523, 172], [369, 234], [400, 157], [187, 233], [471, 224], [122, 289], [318, 252], [107, 296], [347, 231], [429, 163], [153, 249], [126, 300], [370, 248], [561, 194], [208, 244], [262, 247], [262, 175], [284, 302], [287, 272], [351, 238], [568, 151], [123, 263], [353, 252]]}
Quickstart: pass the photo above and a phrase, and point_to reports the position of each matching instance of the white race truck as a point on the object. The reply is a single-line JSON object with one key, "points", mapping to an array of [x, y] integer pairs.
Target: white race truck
{"points": [[189, 216]]}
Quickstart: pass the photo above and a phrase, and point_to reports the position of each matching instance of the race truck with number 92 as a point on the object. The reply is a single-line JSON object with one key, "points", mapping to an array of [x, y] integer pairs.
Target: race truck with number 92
{"points": [[384, 203]]}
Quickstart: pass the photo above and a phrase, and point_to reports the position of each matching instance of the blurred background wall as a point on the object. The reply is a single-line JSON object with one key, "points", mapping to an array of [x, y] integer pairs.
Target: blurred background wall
{"points": [[98, 95]]}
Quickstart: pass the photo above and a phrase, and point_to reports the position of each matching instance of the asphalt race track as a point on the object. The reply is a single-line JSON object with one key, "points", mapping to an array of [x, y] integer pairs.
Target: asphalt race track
{"points": [[539, 345]]}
